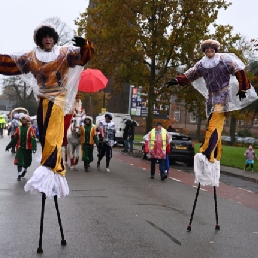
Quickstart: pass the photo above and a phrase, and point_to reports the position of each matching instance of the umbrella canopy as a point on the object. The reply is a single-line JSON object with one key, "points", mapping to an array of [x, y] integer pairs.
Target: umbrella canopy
{"points": [[92, 80]]}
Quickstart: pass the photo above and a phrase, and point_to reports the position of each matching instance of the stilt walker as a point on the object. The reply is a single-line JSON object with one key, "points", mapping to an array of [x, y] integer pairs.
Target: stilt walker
{"points": [[221, 79], [53, 73]]}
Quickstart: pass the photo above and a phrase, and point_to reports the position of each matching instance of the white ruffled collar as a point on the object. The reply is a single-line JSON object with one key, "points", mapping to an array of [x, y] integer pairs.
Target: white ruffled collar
{"points": [[47, 57], [210, 62]]}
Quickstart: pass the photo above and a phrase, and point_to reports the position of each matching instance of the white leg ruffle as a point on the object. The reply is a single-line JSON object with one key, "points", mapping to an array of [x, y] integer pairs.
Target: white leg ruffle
{"points": [[44, 180], [206, 172]]}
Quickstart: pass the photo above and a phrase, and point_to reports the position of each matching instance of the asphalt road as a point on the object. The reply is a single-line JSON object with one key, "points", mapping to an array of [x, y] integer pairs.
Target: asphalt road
{"points": [[125, 214]]}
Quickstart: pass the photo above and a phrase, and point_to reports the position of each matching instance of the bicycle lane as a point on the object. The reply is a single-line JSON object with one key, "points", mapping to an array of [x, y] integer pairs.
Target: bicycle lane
{"points": [[241, 196]]}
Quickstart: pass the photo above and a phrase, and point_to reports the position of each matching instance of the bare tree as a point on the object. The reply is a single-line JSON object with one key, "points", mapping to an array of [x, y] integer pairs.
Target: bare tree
{"points": [[64, 31]]}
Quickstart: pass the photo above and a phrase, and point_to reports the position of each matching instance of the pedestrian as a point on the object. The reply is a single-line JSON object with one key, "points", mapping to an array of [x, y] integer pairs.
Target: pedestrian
{"points": [[107, 131], [125, 138], [24, 138], [156, 145], [11, 130], [131, 137], [2, 125], [250, 155], [89, 137]]}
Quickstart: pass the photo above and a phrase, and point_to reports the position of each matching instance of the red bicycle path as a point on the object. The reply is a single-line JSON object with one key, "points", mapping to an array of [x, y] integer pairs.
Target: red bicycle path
{"points": [[241, 196]]}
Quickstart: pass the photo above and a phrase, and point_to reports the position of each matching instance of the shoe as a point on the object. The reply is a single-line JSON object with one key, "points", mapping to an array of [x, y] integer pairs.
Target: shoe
{"points": [[152, 177], [86, 170], [23, 173], [252, 171], [124, 151], [98, 165], [130, 152], [107, 170], [244, 168], [19, 178]]}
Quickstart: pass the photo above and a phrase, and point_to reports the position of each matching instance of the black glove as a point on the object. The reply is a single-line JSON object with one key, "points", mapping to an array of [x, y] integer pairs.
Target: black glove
{"points": [[34, 151], [241, 95], [171, 83], [79, 41]]}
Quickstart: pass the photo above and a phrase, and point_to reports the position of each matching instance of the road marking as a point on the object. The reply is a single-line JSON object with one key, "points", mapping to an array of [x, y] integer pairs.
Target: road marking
{"points": [[175, 179], [245, 190], [131, 164], [201, 188], [144, 168]]}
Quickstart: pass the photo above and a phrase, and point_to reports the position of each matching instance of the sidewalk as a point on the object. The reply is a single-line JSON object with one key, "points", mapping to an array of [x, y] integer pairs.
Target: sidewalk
{"points": [[230, 171]]}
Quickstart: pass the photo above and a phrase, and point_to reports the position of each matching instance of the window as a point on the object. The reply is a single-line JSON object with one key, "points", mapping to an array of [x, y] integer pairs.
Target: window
{"points": [[192, 118], [255, 122], [177, 115], [241, 122]]}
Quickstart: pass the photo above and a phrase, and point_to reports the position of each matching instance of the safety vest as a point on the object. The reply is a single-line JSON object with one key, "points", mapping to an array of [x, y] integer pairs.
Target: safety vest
{"points": [[163, 137]]}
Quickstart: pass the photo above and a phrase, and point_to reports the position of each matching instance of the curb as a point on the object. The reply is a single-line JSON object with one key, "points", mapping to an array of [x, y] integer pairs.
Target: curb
{"points": [[246, 178]]}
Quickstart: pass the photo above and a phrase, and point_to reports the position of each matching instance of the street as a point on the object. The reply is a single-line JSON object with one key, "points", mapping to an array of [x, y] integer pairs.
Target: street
{"points": [[126, 214]]}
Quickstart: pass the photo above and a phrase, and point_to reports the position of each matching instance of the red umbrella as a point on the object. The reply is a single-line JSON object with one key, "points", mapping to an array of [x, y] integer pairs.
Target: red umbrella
{"points": [[92, 80]]}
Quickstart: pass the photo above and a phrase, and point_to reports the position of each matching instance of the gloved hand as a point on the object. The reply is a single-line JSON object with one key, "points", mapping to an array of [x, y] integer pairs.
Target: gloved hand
{"points": [[241, 95], [34, 151], [171, 83], [6, 149], [78, 41]]}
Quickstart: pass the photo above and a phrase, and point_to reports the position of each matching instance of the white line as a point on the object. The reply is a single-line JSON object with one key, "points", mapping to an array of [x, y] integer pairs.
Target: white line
{"points": [[144, 168], [175, 179], [201, 188], [131, 164], [245, 190]]}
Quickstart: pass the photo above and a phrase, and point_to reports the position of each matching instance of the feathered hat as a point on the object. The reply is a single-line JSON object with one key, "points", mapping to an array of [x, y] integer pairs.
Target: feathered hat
{"points": [[210, 43]]}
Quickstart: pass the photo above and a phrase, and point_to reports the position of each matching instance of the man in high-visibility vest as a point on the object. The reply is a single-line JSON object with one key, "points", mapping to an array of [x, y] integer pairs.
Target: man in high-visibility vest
{"points": [[157, 146]]}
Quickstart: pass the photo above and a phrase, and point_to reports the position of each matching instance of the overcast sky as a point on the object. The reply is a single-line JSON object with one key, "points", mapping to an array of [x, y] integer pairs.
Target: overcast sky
{"points": [[19, 18]]}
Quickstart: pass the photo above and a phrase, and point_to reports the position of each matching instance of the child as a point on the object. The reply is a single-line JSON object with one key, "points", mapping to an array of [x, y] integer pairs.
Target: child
{"points": [[250, 155]]}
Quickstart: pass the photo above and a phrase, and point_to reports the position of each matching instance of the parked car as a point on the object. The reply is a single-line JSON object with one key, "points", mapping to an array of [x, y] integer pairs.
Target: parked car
{"points": [[249, 140], [181, 149]]}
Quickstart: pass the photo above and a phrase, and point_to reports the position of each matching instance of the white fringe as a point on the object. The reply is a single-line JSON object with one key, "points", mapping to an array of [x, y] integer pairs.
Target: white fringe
{"points": [[44, 180], [206, 172]]}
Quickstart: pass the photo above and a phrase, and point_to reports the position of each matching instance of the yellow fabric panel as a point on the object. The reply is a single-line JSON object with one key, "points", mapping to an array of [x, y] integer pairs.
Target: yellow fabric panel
{"points": [[216, 122], [54, 136]]}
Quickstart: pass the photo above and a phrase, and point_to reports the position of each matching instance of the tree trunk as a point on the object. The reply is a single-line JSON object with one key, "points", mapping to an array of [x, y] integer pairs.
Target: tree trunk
{"points": [[232, 130], [151, 98]]}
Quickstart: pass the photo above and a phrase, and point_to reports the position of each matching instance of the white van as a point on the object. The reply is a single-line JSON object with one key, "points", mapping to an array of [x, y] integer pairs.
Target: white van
{"points": [[118, 119]]}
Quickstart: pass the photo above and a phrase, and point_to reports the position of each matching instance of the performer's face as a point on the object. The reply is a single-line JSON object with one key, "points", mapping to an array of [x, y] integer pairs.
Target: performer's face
{"points": [[209, 52], [47, 43]]}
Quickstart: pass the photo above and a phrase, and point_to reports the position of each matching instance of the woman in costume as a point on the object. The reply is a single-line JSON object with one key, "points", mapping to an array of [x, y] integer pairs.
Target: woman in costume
{"points": [[89, 137], [221, 79], [24, 138]]}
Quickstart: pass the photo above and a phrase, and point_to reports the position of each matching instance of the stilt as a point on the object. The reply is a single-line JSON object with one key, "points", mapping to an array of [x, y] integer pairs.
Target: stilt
{"points": [[63, 241], [192, 214], [40, 250], [216, 209]]}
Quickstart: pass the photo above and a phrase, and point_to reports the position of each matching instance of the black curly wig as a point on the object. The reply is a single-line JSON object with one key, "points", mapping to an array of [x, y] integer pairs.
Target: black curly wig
{"points": [[43, 32]]}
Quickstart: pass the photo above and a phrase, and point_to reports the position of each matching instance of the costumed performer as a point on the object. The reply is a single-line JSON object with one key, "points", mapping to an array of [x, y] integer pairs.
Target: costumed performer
{"points": [[107, 131], [24, 138], [53, 73], [89, 137], [221, 79]]}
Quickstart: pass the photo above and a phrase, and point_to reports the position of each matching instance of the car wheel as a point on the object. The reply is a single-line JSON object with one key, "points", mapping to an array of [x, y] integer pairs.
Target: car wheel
{"points": [[191, 164]]}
